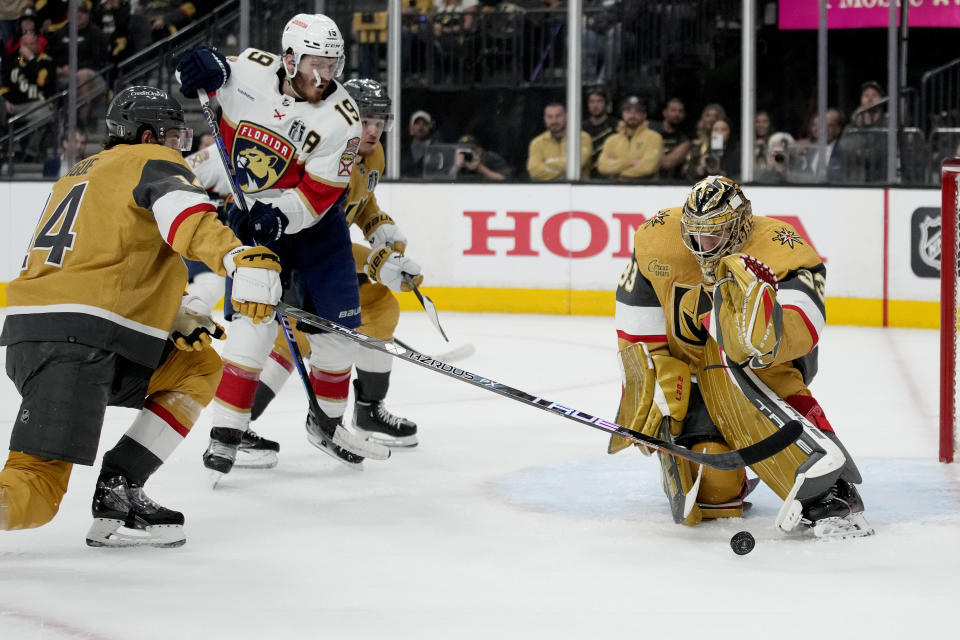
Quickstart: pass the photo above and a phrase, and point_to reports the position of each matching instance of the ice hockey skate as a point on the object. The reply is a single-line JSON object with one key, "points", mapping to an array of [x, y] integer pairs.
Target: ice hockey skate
{"points": [[318, 438], [838, 514], [123, 516], [373, 420], [256, 452]]}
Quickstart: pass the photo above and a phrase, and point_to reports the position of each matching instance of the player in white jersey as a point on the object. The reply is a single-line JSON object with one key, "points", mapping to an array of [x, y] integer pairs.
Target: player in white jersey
{"points": [[292, 132]]}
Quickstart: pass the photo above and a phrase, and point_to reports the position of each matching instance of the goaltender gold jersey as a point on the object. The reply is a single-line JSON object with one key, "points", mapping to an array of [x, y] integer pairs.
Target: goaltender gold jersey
{"points": [[662, 300], [104, 265]]}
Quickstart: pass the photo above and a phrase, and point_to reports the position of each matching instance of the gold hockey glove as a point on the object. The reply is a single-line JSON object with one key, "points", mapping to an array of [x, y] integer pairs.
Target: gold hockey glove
{"points": [[194, 328], [655, 387], [750, 320], [388, 268], [256, 281]]}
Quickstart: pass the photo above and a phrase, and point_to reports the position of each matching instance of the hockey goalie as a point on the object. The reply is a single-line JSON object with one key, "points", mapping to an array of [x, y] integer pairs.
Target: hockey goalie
{"points": [[718, 317]]}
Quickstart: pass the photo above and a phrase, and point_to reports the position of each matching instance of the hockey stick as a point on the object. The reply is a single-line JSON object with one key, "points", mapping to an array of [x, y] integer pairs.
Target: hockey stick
{"points": [[729, 460], [427, 305], [339, 437], [457, 353]]}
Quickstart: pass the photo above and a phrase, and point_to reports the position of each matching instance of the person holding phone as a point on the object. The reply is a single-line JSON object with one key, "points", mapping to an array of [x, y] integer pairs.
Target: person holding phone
{"points": [[723, 154]]}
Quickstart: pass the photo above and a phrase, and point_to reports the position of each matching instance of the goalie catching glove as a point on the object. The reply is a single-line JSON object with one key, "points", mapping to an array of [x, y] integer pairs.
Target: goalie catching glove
{"points": [[749, 318], [389, 267], [194, 328], [256, 281], [655, 387]]}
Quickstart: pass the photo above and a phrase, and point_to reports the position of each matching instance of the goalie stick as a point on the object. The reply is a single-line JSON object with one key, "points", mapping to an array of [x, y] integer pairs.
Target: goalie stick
{"points": [[339, 437], [729, 460]]}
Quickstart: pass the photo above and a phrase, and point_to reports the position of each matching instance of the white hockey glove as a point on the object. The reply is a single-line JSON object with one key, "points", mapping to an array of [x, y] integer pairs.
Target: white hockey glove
{"points": [[256, 281], [388, 268], [194, 328], [387, 235]]}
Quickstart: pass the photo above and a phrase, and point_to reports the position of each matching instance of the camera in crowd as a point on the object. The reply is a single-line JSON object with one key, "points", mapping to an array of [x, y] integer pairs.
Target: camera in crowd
{"points": [[467, 153]]}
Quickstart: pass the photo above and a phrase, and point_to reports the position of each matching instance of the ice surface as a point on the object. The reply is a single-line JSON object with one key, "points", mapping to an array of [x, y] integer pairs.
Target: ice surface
{"points": [[508, 521]]}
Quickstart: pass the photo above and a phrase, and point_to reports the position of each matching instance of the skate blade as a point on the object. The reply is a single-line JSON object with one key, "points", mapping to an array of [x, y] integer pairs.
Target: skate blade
{"points": [[404, 442], [853, 526], [256, 459], [106, 532], [215, 477]]}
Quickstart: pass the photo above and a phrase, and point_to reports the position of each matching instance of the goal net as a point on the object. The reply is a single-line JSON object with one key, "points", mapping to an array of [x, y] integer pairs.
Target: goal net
{"points": [[949, 318]]}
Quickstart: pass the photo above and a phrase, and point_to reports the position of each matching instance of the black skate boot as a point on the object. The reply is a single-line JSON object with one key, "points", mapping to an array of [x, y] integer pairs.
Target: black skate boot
{"points": [[256, 452], [837, 514], [322, 437], [371, 418], [123, 516], [221, 453]]}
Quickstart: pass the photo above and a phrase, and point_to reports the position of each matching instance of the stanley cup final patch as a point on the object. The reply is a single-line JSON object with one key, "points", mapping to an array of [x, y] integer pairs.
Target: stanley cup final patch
{"points": [[348, 157], [260, 156]]}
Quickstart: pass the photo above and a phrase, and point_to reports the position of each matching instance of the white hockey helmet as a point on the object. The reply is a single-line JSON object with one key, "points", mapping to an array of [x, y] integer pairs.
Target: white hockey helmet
{"points": [[315, 35]]}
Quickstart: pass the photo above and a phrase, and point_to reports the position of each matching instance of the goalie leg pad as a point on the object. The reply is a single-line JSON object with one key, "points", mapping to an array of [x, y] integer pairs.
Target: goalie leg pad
{"points": [[654, 387], [719, 487]]}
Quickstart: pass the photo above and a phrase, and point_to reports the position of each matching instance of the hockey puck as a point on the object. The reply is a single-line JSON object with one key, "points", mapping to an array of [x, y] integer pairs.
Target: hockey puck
{"points": [[742, 543]]}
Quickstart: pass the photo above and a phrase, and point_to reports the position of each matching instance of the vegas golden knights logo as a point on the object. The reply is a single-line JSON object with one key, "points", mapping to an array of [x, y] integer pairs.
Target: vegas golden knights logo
{"points": [[260, 156], [690, 306]]}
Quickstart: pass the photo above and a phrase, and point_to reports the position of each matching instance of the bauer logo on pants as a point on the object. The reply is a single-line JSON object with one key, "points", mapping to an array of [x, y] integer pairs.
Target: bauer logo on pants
{"points": [[925, 242], [260, 157]]}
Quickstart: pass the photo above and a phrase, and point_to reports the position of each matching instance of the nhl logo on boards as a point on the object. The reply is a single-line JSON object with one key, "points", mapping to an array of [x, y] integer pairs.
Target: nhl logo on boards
{"points": [[260, 156], [925, 242]]}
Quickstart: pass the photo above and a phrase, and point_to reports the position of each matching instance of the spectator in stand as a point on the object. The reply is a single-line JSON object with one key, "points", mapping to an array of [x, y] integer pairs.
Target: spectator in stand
{"points": [[10, 12], [723, 154], [112, 17], [870, 113], [547, 153], [473, 163], [634, 152], [778, 160], [762, 128], [599, 123], [28, 80], [26, 24], [57, 166], [93, 50], [676, 142], [52, 14], [422, 135], [166, 18], [835, 165], [701, 144]]}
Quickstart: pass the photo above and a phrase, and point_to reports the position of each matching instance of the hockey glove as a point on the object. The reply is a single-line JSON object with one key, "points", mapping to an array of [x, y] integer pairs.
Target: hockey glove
{"points": [[264, 225], [256, 281], [194, 328], [386, 234], [749, 318], [388, 268], [202, 68]]}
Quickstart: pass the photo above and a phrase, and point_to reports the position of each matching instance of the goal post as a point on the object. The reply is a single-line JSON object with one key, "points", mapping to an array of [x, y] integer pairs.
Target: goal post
{"points": [[950, 210]]}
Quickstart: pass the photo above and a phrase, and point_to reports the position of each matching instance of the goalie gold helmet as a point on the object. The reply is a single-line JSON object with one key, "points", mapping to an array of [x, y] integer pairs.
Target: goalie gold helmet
{"points": [[716, 219]]}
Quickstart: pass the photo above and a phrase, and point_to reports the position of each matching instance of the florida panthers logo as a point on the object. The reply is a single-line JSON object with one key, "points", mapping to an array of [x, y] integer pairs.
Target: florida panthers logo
{"points": [[260, 156]]}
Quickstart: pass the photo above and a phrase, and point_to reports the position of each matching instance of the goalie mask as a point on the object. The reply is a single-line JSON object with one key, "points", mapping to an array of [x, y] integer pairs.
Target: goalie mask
{"points": [[716, 219], [314, 35]]}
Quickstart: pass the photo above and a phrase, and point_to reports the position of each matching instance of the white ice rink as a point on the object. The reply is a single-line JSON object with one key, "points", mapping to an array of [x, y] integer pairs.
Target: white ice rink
{"points": [[508, 522]]}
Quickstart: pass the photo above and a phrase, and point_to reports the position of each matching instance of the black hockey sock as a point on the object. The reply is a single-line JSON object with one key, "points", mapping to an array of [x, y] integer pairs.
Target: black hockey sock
{"points": [[130, 459], [370, 386]]}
